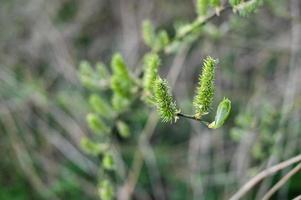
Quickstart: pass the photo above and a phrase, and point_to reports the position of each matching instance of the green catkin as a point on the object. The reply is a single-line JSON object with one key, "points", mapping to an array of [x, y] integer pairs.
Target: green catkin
{"points": [[100, 106], [234, 2], [108, 161], [123, 129], [249, 7], [102, 71], [161, 41], [205, 89], [202, 7], [106, 190], [148, 33], [151, 65], [215, 3], [166, 106], [122, 83], [96, 124], [90, 147]]}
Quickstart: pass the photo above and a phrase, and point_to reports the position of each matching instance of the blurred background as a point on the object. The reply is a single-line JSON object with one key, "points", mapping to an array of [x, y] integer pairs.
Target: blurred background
{"points": [[43, 105]]}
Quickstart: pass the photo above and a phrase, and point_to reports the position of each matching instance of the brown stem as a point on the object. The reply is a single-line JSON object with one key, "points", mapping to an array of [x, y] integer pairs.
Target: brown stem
{"points": [[265, 173]]}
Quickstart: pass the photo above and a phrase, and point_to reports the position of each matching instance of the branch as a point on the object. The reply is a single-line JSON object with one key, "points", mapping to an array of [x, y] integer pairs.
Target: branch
{"points": [[265, 173], [192, 117], [281, 182]]}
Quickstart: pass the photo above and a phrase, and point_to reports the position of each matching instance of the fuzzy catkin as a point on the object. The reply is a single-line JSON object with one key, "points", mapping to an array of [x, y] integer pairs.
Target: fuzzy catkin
{"points": [[166, 106], [205, 89]]}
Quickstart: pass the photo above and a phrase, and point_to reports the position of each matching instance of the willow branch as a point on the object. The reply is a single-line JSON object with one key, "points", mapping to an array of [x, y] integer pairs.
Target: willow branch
{"points": [[192, 117], [281, 182], [265, 173]]}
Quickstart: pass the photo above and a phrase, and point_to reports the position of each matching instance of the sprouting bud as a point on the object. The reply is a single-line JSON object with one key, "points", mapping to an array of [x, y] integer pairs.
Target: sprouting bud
{"points": [[215, 3], [222, 113], [96, 124], [161, 41], [100, 106], [234, 2], [122, 83], [148, 33], [246, 8], [205, 89], [93, 148], [108, 161], [106, 190], [102, 71], [166, 106], [202, 7], [151, 65], [123, 129], [119, 102]]}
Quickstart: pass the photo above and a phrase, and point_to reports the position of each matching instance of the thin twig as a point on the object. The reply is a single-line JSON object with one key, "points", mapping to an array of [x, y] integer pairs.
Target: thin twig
{"points": [[281, 182], [192, 117], [265, 173]]}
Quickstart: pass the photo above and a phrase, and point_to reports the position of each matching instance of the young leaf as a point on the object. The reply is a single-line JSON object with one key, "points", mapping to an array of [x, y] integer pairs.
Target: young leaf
{"points": [[108, 161], [96, 124], [222, 113], [151, 65], [123, 129], [161, 41], [106, 190], [246, 8], [148, 33], [202, 7], [93, 148], [100, 106], [165, 104], [205, 89], [102, 71]]}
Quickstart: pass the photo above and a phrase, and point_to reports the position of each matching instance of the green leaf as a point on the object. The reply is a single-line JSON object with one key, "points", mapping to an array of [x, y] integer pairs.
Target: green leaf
{"points": [[108, 161], [96, 124], [106, 190], [151, 65], [90, 147], [222, 113], [123, 129], [100, 106], [148, 32]]}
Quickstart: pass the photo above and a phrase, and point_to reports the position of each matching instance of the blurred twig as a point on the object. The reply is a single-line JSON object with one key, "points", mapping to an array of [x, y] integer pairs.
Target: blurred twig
{"points": [[281, 182], [265, 173]]}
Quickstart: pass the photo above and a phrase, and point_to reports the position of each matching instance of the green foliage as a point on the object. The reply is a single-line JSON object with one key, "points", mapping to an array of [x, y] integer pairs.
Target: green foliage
{"points": [[123, 129], [93, 79], [122, 83], [234, 2], [148, 32], [151, 65], [166, 106], [162, 40], [106, 190], [156, 41], [205, 89], [215, 3], [222, 113], [101, 107], [102, 71], [93, 148], [248, 7], [202, 7], [108, 161], [96, 124]]}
